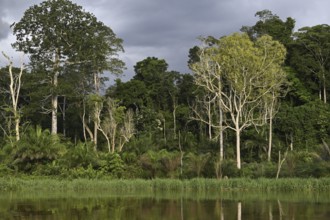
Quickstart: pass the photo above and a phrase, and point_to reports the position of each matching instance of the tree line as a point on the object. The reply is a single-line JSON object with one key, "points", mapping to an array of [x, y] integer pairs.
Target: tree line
{"points": [[255, 103]]}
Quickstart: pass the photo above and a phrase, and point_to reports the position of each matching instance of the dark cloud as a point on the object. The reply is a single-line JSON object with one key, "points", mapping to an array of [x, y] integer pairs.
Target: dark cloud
{"points": [[169, 28], [165, 22], [4, 29]]}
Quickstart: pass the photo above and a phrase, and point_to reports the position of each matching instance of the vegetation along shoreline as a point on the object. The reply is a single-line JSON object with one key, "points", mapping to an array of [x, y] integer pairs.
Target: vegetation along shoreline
{"points": [[164, 185]]}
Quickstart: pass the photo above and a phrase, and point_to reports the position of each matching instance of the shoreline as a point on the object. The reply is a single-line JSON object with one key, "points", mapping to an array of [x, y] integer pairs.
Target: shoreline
{"points": [[53, 184]]}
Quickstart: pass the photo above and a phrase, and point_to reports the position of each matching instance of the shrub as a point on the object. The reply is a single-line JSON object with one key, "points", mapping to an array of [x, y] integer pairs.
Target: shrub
{"points": [[149, 162], [229, 169], [113, 164], [196, 163], [81, 155], [81, 172], [257, 170], [35, 147]]}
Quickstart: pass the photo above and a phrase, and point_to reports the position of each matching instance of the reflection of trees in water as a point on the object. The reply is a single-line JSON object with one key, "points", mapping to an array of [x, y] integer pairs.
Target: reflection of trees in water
{"points": [[179, 207], [239, 211]]}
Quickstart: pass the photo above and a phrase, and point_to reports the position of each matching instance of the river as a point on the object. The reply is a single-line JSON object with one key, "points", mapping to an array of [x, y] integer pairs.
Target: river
{"points": [[239, 205]]}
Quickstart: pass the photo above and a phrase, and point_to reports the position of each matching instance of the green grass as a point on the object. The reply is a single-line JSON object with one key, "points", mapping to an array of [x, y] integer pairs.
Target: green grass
{"points": [[163, 185]]}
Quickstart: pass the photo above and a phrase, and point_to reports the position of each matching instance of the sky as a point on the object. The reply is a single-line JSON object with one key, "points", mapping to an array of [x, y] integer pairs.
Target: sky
{"points": [[167, 29]]}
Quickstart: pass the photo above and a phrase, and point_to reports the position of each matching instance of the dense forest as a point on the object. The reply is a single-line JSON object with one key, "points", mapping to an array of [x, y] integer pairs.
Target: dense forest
{"points": [[255, 104]]}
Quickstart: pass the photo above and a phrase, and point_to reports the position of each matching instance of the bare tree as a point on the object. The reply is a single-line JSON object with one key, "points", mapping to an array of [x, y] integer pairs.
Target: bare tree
{"points": [[127, 129], [116, 125], [15, 83]]}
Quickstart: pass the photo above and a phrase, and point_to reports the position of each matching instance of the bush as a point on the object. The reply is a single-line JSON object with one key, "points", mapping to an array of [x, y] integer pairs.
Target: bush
{"points": [[81, 172], [81, 155], [49, 169], [149, 162], [195, 163], [305, 164], [35, 147], [229, 169], [257, 170], [112, 164]]}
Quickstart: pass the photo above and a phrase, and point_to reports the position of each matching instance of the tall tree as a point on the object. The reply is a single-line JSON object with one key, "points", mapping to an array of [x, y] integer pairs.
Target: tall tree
{"points": [[312, 58], [209, 102], [59, 33], [272, 25], [241, 73], [151, 71]]}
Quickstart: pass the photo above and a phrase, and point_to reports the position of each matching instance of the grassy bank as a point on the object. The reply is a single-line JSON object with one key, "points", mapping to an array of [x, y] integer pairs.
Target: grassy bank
{"points": [[162, 185]]}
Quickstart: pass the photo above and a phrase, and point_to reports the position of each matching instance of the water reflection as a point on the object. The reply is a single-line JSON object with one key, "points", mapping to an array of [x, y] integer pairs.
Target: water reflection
{"points": [[225, 206]]}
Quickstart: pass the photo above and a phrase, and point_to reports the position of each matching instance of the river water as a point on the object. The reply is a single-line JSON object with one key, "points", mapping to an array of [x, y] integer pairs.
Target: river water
{"points": [[224, 206]]}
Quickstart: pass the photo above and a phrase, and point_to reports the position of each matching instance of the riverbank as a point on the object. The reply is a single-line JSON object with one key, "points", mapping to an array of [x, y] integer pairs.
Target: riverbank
{"points": [[32, 183]]}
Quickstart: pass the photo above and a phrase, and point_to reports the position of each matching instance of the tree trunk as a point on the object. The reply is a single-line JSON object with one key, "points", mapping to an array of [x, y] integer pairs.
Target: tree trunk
{"points": [[107, 138], [324, 90], [17, 121], [16, 114], [221, 134], [64, 116], [54, 111], [96, 111], [113, 144], [291, 142], [174, 114], [280, 163], [270, 134], [181, 154], [121, 144], [14, 97], [15, 87], [54, 101], [210, 119], [85, 126], [96, 125], [238, 147], [174, 121], [164, 133]]}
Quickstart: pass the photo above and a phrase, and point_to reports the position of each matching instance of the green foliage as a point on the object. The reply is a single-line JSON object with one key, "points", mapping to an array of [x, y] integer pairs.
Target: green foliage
{"points": [[305, 125], [272, 25], [82, 155], [305, 164], [112, 164], [162, 102], [61, 27], [170, 162], [81, 172], [196, 162], [133, 94], [149, 163], [229, 169], [310, 58], [149, 70], [36, 146], [144, 187], [52, 33], [259, 170], [160, 164]]}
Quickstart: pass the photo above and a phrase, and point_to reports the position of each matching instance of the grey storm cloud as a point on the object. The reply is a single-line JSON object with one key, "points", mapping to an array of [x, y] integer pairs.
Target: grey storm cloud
{"points": [[161, 23], [4, 29], [167, 29], [4, 25], [171, 27]]}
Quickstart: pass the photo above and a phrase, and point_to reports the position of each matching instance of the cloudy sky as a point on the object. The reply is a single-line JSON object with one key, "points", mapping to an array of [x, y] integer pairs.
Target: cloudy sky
{"points": [[167, 29]]}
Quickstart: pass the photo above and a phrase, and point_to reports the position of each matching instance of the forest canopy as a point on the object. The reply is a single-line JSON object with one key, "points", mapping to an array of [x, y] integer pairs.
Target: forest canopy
{"points": [[256, 103]]}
